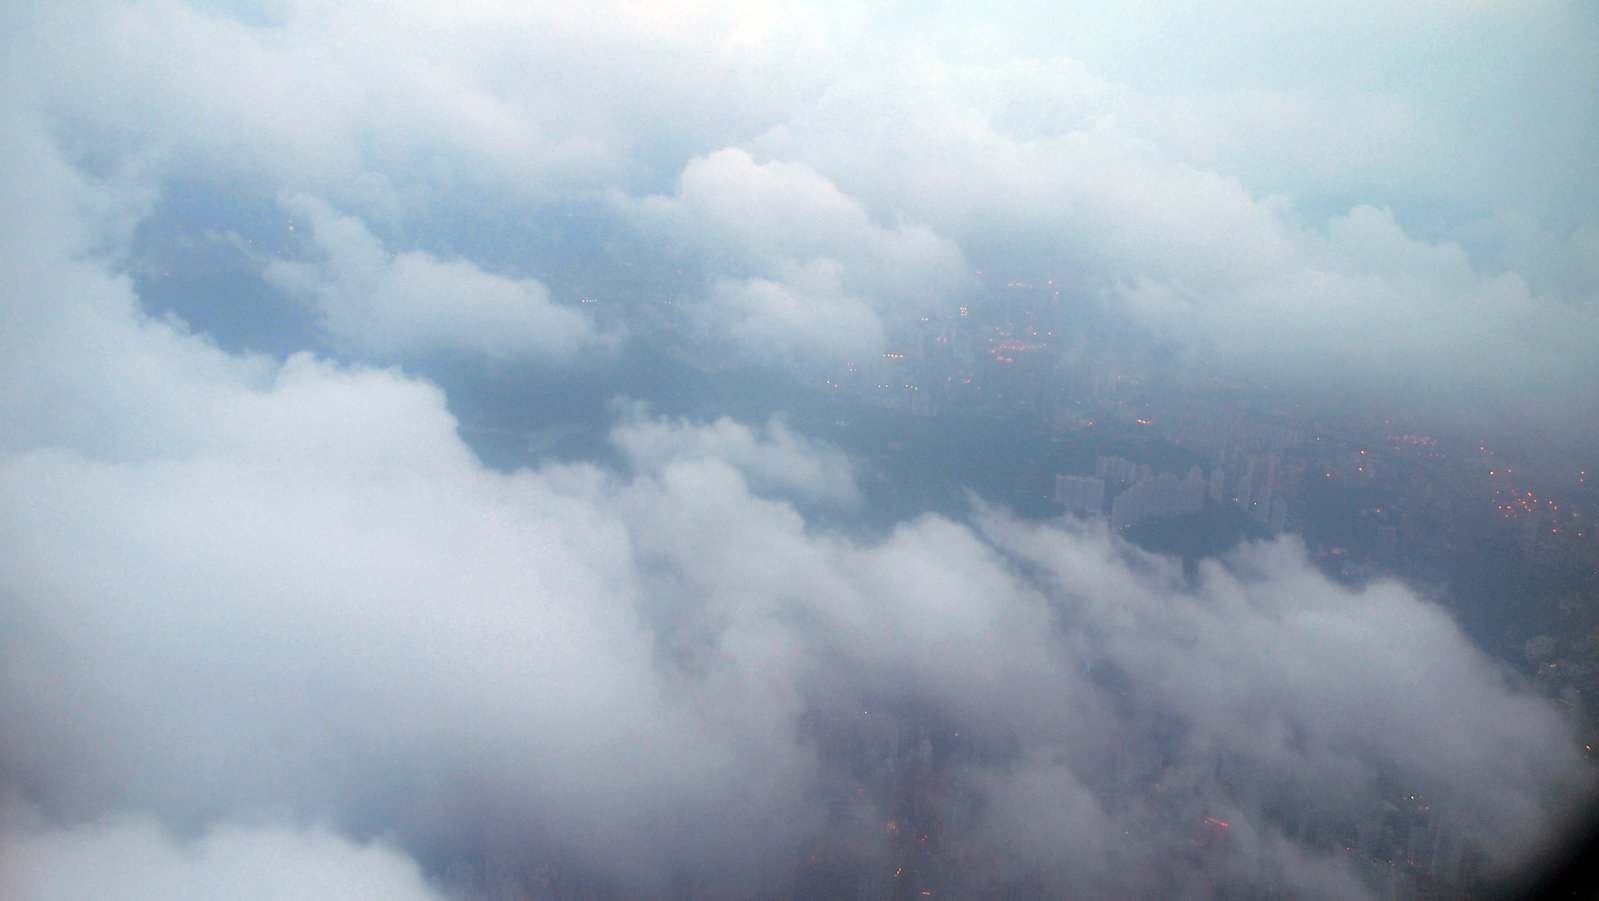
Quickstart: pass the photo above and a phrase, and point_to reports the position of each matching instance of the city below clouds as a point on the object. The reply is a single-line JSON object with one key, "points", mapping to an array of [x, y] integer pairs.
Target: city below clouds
{"points": [[691, 450]]}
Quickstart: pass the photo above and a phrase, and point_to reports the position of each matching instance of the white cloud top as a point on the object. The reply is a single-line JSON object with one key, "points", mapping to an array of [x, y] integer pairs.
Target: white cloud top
{"points": [[394, 306]]}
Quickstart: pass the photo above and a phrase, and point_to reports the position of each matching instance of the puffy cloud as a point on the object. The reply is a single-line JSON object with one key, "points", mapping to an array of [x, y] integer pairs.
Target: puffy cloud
{"points": [[133, 859], [803, 272], [775, 458], [317, 609], [112, 398], [378, 106], [1268, 261], [239, 589], [800, 319], [1384, 312], [388, 306], [381, 631], [774, 212], [314, 598], [1266, 647], [835, 169]]}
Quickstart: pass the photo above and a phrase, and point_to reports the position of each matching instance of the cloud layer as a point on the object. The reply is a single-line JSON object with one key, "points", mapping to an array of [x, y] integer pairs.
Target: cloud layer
{"points": [[1292, 206], [262, 616], [264, 589]]}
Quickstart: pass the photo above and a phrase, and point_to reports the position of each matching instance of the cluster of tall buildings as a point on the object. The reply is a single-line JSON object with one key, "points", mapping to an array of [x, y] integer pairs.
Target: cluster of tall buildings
{"points": [[1259, 484], [895, 812], [1162, 496], [1405, 846], [1084, 495], [1135, 493]]}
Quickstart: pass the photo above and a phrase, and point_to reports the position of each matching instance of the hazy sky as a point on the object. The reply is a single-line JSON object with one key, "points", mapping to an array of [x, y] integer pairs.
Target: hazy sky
{"points": [[267, 621]]}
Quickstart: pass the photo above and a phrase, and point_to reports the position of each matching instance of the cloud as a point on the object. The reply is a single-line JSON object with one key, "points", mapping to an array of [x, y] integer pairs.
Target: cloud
{"points": [[382, 108], [392, 306], [801, 271], [775, 212], [247, 590], [1265, 647], [1414, 317], [831, 170], [774, 458], [134, 859], [312, 597], [369, 627], [1168, 207], [799, 320]]}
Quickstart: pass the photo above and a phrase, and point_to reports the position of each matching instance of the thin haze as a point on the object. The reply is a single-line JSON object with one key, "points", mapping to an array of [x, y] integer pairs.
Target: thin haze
{"points": [[368, 528]]}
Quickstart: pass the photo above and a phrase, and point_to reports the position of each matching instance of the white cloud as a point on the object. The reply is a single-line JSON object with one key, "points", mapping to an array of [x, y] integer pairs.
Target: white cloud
{"points": [[801, 320], [777, 212], [236, 585], [318, 600], [804, 273], [133, 859], [309, 593], [380, 107], [1190, 170], [1367, 307], [387, 306], [1187, 208], [774, 458]]}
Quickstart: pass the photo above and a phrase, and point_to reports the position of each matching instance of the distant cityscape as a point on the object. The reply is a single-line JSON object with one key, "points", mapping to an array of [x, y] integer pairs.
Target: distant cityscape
{"points": [[1188, 468], [1010, 399]]}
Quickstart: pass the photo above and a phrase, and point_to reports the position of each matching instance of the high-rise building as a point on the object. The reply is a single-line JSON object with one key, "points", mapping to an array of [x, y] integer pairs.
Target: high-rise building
{"points": [[1164, 495], [1117, 469], [1080, 494]]}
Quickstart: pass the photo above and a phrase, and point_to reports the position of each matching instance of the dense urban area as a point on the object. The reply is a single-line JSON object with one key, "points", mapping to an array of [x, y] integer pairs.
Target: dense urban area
{"points": [[1012, 400]]}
